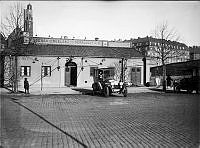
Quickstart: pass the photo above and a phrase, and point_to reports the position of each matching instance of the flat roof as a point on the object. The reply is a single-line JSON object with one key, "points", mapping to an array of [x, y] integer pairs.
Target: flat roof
{"points": [[177, 68]]}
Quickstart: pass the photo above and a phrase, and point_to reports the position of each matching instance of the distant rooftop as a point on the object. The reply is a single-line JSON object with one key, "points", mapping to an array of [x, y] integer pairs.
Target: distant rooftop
{"points": [[194, 49], [151, 39]]}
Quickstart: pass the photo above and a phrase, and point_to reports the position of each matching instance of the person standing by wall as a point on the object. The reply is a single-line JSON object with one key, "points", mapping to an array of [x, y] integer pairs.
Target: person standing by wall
{"points": [[157, 81], [26, 86], [169, 79]]}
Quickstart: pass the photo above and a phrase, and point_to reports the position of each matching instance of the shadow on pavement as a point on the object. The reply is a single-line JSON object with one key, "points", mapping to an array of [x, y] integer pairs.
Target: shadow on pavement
{"points": [[10, 123], [84, 91], [171, 91]]}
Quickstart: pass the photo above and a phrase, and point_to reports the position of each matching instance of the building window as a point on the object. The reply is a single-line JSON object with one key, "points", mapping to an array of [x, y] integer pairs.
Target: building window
{"points": [[92, 70], [25, 71], [46, 71], [109, 73], [138, 69], [66, 69]]}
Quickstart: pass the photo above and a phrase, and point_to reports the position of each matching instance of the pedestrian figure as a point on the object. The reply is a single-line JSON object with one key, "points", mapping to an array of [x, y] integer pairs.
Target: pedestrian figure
{"points": [[175, 83], [169, 79], [26, 86], [157, 81]]}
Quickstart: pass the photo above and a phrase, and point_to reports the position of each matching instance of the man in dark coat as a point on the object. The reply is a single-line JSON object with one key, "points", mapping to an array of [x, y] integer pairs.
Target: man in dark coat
{"points": [[26, 86], [169, 79]]}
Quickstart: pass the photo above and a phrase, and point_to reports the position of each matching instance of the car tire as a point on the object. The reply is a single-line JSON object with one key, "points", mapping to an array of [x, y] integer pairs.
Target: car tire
{"points": [[177, 89], [189, 91], [106, 91], [125, 92]]}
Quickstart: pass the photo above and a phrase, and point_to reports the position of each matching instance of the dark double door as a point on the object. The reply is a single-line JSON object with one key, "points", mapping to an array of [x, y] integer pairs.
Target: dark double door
{"points": [[70, 74], [136, 75]]}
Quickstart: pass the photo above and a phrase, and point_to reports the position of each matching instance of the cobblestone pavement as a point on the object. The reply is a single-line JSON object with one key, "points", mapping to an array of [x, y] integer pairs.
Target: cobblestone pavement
{"points": [[143, 120]]}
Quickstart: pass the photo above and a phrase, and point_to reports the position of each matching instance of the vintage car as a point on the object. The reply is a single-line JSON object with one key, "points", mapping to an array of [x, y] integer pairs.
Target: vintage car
{"points": [[189, 84], [105, 85]]}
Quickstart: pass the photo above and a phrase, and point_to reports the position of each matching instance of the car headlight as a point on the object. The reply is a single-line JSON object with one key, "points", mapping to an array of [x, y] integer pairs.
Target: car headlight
{"points": [[120, 83]]}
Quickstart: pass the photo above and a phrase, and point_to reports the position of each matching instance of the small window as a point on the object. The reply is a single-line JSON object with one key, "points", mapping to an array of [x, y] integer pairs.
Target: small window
{"points": [[46, 71], [92, 70], [67, 69], [138, 69], [109, 73], [26, 71]]}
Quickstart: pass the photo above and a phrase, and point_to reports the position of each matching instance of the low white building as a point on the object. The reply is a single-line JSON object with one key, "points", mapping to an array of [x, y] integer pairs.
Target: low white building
{"points": [[71, 65]]}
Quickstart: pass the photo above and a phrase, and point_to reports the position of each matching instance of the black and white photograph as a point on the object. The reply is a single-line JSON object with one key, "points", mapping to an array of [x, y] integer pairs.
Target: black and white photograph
{"points": [[100, 74]]}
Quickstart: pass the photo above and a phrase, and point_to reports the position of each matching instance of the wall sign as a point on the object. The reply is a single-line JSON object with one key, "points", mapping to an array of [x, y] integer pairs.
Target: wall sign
{"points": [[78, 42]]}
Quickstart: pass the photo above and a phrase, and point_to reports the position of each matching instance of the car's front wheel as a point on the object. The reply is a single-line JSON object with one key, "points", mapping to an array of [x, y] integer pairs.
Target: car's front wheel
{"points": [[177, 89], [125, 92]]}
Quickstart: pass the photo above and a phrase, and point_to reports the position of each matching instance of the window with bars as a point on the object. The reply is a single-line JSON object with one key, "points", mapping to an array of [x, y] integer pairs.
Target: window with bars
{"points": [[46, 71], [25, 71]]}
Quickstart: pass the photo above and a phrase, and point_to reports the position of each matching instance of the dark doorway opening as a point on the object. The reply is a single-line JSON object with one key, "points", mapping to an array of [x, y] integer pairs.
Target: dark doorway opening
{"points": [[136, 76], [70, 74]]}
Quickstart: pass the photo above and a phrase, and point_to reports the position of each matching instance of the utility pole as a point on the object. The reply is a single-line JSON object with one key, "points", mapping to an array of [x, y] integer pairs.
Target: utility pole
{"points": [[122, 77], [41, 77], [144, 60]]}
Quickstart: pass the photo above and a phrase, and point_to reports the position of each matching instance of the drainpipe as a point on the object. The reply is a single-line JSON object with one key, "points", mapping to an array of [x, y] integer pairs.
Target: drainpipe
{"points": [[15, 75], [144, 70], [122, 70]]}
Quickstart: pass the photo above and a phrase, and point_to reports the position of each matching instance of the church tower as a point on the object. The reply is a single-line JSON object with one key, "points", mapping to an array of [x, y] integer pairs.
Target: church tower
{"points": [[28, 20]]}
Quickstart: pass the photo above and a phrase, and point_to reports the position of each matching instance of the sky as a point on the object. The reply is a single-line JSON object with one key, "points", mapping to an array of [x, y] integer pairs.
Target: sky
{"points": [[112, 20]]}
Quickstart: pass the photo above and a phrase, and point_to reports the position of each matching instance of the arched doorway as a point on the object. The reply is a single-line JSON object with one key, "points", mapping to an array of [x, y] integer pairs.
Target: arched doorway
{"points": [[70, 74]]}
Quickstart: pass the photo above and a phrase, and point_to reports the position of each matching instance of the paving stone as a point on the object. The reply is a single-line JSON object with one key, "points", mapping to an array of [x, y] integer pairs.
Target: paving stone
{"points": [[145, 120]]}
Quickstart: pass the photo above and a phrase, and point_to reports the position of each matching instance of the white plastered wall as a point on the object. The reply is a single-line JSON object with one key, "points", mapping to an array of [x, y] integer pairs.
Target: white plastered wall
{"points": [[57, 77]]}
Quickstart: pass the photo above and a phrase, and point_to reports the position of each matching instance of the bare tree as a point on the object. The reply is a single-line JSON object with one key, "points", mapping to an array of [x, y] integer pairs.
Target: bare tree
{"points": [[11, 27], [164, 50], [14, 19], [117, 72]]}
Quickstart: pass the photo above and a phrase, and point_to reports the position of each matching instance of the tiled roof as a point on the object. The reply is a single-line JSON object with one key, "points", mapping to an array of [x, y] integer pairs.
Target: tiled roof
{"points": [[79, 51]]}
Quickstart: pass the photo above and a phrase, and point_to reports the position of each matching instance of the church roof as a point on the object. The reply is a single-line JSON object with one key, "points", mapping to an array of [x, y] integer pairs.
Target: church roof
{"points": [[78, 51]]}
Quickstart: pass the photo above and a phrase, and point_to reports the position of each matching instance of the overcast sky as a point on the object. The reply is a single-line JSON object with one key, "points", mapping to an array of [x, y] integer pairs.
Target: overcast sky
{"points": [[109, 20]]}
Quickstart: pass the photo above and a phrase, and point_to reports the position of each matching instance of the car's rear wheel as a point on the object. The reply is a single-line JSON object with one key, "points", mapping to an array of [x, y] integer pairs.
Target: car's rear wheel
{"points": [[190, 91], [106, 91]]}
